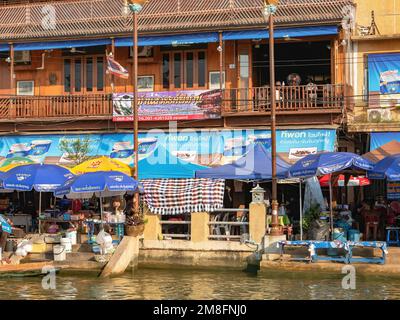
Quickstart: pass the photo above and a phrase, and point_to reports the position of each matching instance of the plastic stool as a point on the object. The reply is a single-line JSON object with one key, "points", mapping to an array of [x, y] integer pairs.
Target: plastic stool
{"points": [[389, 231]]}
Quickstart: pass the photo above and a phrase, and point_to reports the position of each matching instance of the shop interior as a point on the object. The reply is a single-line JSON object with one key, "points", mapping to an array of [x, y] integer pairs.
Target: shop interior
{"points": [[311, 60]]}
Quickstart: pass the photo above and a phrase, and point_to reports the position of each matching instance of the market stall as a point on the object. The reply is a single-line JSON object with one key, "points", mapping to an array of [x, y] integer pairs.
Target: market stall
{"points": [[328, 163]]}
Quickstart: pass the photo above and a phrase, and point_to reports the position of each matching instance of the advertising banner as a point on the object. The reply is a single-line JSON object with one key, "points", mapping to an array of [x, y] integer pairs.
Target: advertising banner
{"points": [[169, 106], [393, 190], [208, 148], [385, 139], [383, 87]]}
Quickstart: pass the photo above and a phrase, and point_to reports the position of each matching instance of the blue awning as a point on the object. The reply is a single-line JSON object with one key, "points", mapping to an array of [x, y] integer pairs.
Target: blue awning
{"points": [[61, 44], [4, 47], [281, 33], [179, 39]]}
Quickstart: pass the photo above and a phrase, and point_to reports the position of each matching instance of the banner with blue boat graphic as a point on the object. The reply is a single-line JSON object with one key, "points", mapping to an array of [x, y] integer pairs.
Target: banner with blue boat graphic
{"points": [[383, 85], [203, 147]]}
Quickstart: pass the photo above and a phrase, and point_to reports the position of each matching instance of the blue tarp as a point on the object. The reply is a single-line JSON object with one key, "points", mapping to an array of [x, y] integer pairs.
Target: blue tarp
{"points": [[60, 44], [388, 168], [255, 165], [179, 39], [327, 163], [281, 33], [161, 164], [4, 47]]}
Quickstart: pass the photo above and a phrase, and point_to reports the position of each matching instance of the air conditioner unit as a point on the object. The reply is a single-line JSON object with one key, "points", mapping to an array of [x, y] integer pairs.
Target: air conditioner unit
{"points": [[143, 52], [22, 56], [379, 115]]}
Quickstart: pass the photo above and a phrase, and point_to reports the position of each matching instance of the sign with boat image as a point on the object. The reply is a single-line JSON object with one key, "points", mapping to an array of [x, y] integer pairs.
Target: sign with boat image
{"points": [[169, 105], [208, 148], [383, 88]]}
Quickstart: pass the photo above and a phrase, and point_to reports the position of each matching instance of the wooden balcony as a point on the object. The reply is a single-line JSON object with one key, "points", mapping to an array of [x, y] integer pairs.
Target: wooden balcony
{"points": [[298, 100], [48, 108], [289, 99]]}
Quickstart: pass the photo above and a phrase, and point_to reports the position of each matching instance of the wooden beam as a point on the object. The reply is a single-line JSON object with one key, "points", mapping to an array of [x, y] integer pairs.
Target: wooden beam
{"points": [[122, 257]]}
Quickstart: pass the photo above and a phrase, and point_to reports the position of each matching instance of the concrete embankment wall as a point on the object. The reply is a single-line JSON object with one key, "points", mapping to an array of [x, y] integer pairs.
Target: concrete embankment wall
{"points": [[183, 254]]}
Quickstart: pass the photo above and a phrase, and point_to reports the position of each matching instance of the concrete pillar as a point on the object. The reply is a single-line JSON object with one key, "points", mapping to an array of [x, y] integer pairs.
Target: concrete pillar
{"points": [[152, 229], [200, 230], [257, 221]]}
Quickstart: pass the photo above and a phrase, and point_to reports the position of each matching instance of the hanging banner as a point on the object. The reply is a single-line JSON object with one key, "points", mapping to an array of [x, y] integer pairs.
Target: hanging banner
{"points": [[393, 191], [383, 144], [208, 148], [383, 87], [169, 105]]}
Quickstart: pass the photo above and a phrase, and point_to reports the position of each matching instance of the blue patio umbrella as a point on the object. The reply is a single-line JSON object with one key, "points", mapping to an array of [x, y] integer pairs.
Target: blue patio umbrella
{"points": [[100, 183], [40, 177], [327, 163], [388, 168], [255, 165]]}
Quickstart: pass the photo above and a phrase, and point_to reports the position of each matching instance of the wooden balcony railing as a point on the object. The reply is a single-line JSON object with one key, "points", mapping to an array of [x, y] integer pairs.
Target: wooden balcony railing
{"points": [[50, 107], [288, 98], [235, 102]]}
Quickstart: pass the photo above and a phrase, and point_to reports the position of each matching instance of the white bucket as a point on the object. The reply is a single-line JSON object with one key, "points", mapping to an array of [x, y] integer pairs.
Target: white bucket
{"points": [[67, 243], [59, 253], [73, 236]]}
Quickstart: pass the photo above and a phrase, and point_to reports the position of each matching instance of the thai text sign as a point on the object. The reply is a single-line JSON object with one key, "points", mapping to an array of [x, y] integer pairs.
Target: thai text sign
{"points": [[169, 105]]}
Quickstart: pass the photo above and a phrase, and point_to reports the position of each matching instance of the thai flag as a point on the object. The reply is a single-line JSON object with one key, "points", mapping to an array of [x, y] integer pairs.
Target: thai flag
{"points": [[113, 67]]}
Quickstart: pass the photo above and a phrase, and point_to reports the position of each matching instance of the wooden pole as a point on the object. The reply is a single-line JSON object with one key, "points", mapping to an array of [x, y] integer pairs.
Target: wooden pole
{"points": [[12, 75], [330, 205], [135, 103], [275, 231], [221, 62], [301, 212]]}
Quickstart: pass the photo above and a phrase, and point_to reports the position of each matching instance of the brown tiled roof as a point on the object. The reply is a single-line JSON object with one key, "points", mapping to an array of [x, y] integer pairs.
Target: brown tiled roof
{"points": [[108, 17]]}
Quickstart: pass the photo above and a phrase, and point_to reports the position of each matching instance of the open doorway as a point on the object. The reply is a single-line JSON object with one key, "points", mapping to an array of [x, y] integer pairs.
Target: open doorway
{"points": [[309, 59]]}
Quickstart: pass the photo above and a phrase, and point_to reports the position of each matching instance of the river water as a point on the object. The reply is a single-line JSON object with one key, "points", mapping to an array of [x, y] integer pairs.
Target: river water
{"points": [[198, 284]]}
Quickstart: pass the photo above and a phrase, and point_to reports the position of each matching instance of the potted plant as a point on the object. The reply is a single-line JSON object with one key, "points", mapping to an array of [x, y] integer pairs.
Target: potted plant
{"points": [[135, 223]]}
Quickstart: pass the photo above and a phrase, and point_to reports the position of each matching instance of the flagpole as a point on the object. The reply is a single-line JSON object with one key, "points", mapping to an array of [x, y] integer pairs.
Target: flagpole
{"points": [[112, 75]]}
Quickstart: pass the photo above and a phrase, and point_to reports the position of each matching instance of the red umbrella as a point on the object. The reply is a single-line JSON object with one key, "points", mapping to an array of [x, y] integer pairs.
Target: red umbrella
{"points": [[360, 181]]}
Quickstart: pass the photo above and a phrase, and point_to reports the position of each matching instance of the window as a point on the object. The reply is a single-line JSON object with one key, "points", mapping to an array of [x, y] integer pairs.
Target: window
{"points": [[84, 74], [189, 70], [146, 83], [78, 75], [100, 74], [202, 69], [165, 71], [67, 75], [214, 80], [177, 70], [89, 74], [184, 70], [25, 88]]}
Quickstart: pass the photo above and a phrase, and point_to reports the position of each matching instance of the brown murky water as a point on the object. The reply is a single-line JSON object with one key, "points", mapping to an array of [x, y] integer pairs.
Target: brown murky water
{"points": [[198, 284]]}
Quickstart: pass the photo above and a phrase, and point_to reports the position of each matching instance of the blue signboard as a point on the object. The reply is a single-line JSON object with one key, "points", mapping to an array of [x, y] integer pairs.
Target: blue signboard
{"points": [[202, 147], [384, 78], [385, 139]]}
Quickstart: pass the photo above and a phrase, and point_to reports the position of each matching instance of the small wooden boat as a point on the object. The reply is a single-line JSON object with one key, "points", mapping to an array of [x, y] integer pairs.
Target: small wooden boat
{"points": [[28, 269]]}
